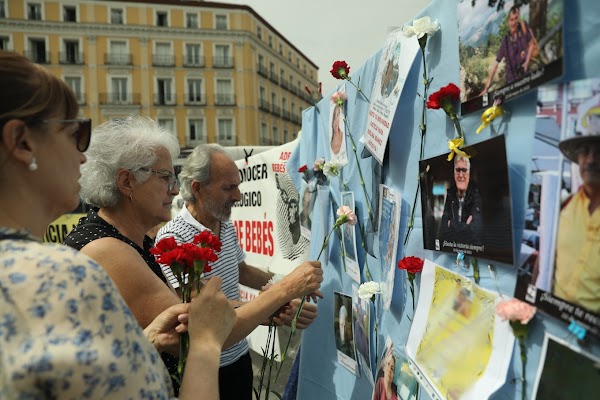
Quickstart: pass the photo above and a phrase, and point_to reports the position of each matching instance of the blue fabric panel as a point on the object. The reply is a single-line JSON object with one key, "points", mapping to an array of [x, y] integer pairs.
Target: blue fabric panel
{"points": [[321, 376]]}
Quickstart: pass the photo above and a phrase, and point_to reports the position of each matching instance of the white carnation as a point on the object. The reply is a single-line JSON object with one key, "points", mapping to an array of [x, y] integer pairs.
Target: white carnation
{"points": [[368, 290]]}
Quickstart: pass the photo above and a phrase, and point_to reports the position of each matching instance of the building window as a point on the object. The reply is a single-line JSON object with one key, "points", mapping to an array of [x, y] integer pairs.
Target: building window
{"points": [[194, 91], [270, 41], [297, 62], [71, 54], [289, 55], [191, 20], [116, 16], [74, 83], [168, 124], [222, 57], [280, 49], [225, 131], [37, 52], [164, 94], [264, 135], [259, 32], [196, 132], [224, 92], [286, 137], [162, 18], [163, 55], [193, 58], [2, 9], [4, 43], [34, 11], [118, 53], [221, 21], [275, 137], [119, 90], [69, 14]]}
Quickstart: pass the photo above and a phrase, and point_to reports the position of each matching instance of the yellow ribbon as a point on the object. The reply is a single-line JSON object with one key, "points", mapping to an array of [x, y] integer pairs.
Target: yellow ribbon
{"points": [[488, 116], [454, 146]]}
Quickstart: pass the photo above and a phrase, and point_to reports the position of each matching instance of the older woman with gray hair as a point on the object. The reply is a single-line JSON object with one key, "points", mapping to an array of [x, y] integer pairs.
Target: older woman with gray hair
{"points": [[129, 177]]}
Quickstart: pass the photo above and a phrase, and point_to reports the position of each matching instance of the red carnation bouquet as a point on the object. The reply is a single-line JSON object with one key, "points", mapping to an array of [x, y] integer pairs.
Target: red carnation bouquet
{"points": [[189, 262], [412, 266]]}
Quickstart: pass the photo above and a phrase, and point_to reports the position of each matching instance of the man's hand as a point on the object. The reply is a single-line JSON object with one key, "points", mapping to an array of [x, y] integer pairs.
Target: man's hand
{"points": [[285, 314], [304, 280], [469, 219]]}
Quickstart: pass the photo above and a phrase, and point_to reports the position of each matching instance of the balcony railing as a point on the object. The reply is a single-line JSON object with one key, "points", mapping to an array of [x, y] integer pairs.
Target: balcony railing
{"points": [[275, 110], [273, 77], [283, 83], [264, 105], [286, 115], [191, 60], [163, 60], [262, 70], [161, 99], [75, 58], [292, 89], [222, 62], [118, 59], [296, 119], [40, 57], [194, 99], [120, 98], [222, 99]]}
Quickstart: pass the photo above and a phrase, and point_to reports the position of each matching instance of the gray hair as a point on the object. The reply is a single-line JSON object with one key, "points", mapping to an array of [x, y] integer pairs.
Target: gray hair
{"points": [[197, 168], [465, 159], [343, 314], [126, 143]]}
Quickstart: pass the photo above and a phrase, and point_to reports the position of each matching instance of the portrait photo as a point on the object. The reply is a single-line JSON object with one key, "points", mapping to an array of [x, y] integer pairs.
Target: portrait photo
{"points": [[337, 132], [349, 240], [507, 48], [466, 204], [361, 319], [394, 379], [559, 270], [307, 205], [343, 331]]}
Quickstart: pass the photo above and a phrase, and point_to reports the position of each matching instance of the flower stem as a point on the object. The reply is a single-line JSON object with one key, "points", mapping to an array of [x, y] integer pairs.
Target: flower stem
{"points": [[358, 89], [412, 214], [524, 363], [360, 174], [412, 293]]}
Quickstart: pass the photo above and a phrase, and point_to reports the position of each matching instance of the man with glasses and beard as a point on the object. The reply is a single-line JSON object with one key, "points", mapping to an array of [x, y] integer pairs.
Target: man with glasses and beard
{"points": [[210, 187], [461, 220], [577, 269]]}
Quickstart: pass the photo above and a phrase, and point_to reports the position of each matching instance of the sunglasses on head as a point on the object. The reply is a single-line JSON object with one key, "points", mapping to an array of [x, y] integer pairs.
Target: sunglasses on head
{"points": [[82, 134]]}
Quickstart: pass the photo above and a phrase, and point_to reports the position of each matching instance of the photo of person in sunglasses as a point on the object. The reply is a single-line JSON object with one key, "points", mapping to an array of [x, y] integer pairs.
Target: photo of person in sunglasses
{"points": [[461, 219]]}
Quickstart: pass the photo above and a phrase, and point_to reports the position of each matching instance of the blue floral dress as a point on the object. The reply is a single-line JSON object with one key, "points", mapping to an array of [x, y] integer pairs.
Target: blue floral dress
{"points": [[65, 331]]}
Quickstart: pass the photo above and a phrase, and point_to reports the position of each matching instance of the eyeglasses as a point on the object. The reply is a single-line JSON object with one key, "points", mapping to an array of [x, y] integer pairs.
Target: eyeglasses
{"points": [[169, 177], [82, 134], [461, 170]]}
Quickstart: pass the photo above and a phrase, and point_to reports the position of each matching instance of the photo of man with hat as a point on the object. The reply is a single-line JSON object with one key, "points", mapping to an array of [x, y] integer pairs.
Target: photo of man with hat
{"points": [[577, 268]]}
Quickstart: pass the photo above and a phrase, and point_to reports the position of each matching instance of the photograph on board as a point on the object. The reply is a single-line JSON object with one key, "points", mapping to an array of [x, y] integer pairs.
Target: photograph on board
{"points": [[507, 48], [466, 204], [559, 264]]}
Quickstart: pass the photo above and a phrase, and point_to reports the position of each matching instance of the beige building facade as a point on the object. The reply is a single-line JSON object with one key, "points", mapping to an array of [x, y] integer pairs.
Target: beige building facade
{"points": [[210, 72]]}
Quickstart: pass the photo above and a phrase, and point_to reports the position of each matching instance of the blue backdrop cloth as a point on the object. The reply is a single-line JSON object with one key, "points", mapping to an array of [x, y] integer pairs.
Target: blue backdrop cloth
{"points": [[321, 376]]}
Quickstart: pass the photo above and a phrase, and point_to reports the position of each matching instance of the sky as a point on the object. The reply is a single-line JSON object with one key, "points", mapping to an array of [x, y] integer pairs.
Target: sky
{"points": [[328, 30]]}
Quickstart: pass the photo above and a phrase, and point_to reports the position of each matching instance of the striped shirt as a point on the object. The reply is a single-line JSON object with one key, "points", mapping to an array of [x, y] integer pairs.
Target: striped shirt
{"points": [[183, 228]]}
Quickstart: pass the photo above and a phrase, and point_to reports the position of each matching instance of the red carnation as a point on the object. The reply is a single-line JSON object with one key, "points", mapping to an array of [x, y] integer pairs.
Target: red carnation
{"points": [[411, 264], [340, 70], [207, 238], [303, 169], [163, 245], [443, 97]]}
